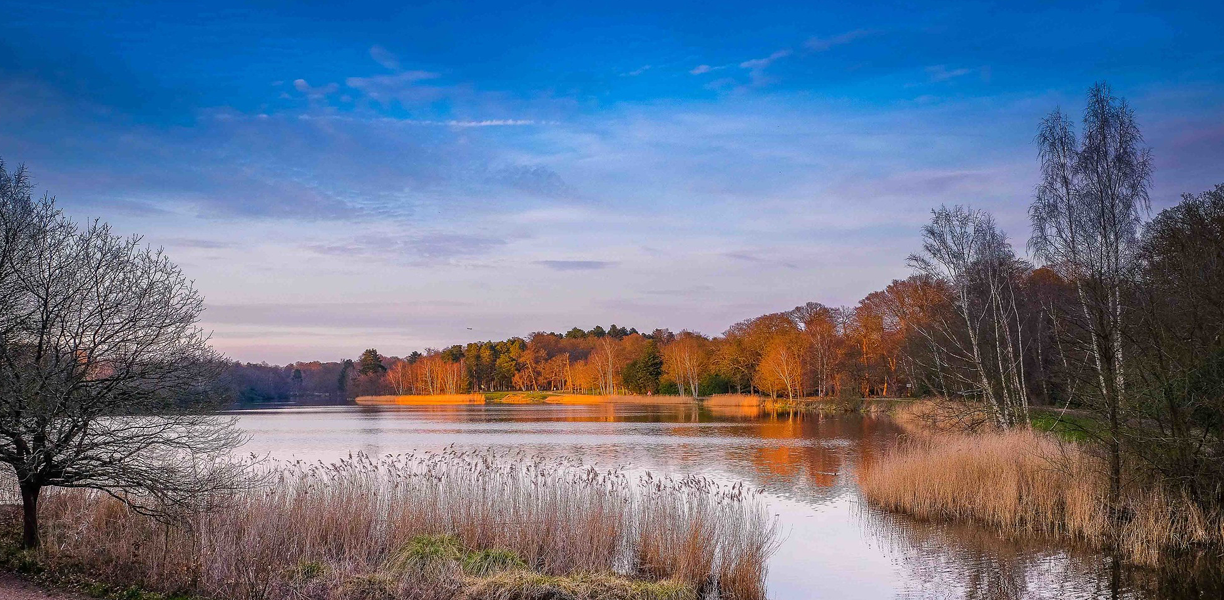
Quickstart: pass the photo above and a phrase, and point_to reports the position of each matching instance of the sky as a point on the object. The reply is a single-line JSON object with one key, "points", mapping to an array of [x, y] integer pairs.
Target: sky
{"points": [[407, 175]]}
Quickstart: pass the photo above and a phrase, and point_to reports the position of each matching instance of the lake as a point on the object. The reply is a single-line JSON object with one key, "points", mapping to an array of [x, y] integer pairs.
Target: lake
{"points": [[833, 545]]}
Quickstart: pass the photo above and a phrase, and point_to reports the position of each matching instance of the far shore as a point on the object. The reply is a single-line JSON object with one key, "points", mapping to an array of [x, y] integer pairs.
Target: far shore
{"points": [[809, 403]]}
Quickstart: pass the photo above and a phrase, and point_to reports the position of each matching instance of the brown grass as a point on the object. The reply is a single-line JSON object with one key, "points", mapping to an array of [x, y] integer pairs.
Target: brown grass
{"points": [[1026, 482], [734, 400], [615, 399], [450, 524]]}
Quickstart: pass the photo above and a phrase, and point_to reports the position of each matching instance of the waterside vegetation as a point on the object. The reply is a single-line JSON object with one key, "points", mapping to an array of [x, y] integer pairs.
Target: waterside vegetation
{"points": [[434, 525], [1027, 482]]}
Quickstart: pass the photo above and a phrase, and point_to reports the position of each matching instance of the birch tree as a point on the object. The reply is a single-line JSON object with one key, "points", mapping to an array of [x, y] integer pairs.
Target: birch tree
{"points": [[979, 344], [685, 360], [1086, 218]]}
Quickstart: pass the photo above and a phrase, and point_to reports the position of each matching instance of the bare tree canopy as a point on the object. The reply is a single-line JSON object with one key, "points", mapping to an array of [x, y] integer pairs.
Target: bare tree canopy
{"points": [[980, 343], [1086, 218], [104, 371]]}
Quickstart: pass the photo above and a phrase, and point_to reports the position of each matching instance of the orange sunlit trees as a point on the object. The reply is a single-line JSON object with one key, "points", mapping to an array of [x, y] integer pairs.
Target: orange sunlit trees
{"points": [[402, 377], [686, 361], [781, 369], [823, 335]]}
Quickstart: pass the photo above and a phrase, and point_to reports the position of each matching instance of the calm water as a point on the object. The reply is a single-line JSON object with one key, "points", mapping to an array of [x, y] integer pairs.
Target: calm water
{"points": [[833, 546]]}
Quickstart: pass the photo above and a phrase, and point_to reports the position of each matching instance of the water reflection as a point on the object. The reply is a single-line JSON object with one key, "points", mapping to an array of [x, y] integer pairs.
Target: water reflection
{"points": [[834, 546]]}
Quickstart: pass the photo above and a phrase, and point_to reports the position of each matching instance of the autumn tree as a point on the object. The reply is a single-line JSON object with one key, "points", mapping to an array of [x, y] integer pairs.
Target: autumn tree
{"points": [[735, 359], [781, 368], [820, 328], [402, 377], [685, 361]]}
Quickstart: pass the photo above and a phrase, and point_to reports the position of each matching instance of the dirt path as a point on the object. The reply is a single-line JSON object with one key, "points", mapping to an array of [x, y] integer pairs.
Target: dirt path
{"points": [[13, 587]]}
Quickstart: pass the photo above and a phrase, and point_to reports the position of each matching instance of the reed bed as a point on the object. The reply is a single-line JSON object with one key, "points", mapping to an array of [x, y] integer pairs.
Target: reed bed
{"points": [[1026, 482], [421, 399], [432, 525], [734, 400]]}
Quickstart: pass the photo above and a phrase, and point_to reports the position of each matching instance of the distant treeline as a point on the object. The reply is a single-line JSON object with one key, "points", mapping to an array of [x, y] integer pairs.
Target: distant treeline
{"points": [[870, 349]]}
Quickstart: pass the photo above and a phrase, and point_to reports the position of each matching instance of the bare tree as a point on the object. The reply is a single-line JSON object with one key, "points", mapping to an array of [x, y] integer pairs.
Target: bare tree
{"points": [[103, 369], [980, 344], [686, 359], [1086, 218], [819, 324]]}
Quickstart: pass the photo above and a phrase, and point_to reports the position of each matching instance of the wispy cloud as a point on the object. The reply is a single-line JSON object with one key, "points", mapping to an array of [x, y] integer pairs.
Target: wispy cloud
{"points": [[482, 123], [700, 69], [761, 63], [939, 73], [536, 180], [404, 86], [384, 57], [758, 259], [575, 265], [820, 44], [427, 248], [757, 66], [313, 92], [638, 71], [197, 243]]}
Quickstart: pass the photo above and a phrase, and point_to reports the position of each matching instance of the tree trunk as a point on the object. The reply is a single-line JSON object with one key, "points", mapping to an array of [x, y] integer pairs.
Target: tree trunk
{"points": [[29, 506]]}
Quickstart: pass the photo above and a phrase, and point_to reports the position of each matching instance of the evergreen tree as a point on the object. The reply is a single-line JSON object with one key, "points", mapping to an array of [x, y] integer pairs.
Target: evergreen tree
{"points": [[342, 381], [370, 363], [642, 374]]}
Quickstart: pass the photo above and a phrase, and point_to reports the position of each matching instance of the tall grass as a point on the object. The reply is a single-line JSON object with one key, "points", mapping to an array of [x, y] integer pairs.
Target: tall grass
{"points": [[1028, 482], [449, 524]]}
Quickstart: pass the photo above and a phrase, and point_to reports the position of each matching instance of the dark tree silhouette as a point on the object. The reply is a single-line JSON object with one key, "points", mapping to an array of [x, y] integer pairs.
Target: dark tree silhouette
{"points": [[103, 369]]}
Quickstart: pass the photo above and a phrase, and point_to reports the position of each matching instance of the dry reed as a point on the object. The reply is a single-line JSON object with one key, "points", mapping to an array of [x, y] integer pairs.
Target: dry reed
{"points": [[470, 524], [1027, 482], [420, 399]]}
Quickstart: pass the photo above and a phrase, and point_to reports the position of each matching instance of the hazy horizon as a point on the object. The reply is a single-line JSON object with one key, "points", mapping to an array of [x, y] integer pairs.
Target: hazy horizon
{"points": [[405, 177]]}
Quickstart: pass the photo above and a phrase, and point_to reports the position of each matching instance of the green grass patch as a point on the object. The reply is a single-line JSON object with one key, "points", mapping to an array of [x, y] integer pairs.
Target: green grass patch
{"points": [[426, 553], [529, 585], [437, 553], [1068, 427], [308, 570]]}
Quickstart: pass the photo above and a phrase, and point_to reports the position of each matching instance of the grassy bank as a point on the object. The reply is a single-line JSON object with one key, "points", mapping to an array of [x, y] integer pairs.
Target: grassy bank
{"points": [[1031, 482], [447, 525]]}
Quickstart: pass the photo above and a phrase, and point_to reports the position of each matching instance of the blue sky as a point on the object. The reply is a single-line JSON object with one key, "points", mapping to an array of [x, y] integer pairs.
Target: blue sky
{"points": [[390, 175]]}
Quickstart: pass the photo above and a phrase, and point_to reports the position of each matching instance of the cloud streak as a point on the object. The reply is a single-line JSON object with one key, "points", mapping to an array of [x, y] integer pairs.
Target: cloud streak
{"points": [[384, 57], [821, 44], [761, 63], [576, 265]]}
